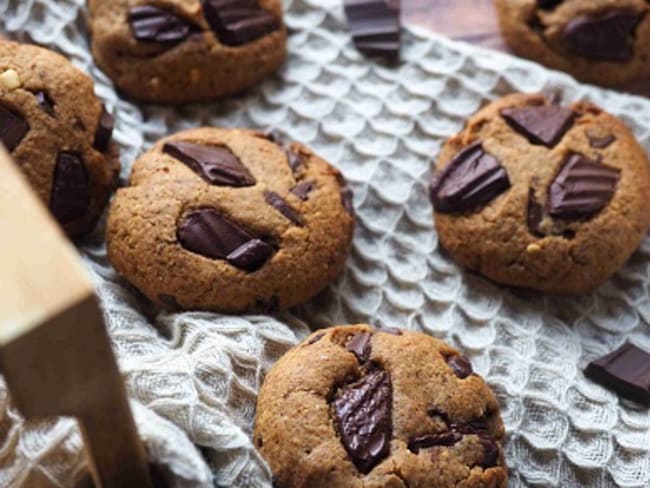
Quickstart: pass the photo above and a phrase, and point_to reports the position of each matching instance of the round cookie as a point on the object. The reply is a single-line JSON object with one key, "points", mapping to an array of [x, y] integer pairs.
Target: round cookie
{"points": [[354, 407], [183, 51], [536, 195], [58, 132], [231, 221], [606, 42]]}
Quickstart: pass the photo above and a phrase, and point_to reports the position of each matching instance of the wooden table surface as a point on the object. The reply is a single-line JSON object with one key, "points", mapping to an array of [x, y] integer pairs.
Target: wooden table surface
{"points": [[473, 21]]}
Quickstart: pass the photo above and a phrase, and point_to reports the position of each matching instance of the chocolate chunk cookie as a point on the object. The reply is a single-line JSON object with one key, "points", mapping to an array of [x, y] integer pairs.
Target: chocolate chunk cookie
{"points": [[537, 195], [606, 42], [182, 51], [231, 221], [356, 407], [58, 132]]}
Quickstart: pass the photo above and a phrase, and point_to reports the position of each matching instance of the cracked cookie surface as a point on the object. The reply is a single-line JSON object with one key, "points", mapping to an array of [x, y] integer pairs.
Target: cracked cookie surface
{"points": [[358, 407], [537, 195], [232, 221], [605, 42], [183, 51], [58, 132]]}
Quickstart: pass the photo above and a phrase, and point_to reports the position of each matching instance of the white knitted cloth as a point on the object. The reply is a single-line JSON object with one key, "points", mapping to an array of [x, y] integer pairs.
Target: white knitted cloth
{"points": [[193, 377]]}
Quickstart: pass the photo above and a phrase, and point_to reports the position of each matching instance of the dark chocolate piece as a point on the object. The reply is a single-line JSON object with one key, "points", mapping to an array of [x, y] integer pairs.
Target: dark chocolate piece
{"points": [[461, 366], [13, 128], [316, 338], [303, 189], [208, 233], [392, 331], [601, 142], [542, 124], [45, 102], [281, 205], [426, 441], [215, 164], [295, 158], [104, 130], [548, 4], [153, 24], [359, 345], [237, 22], [70, 198], [604, 37], [364, 419], [626, 371], [375, 26], [582, 188], [472, 179]]}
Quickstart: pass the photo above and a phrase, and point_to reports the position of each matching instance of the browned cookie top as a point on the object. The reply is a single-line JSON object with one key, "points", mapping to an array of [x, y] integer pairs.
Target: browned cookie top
{"points": [[180, 51], [356, 407], [600, 41], [58, 132], [230, 220], [539, 195]]}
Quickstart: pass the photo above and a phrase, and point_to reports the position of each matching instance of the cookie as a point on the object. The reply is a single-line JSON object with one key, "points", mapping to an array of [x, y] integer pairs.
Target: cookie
{"points": [[231, 221], [537, 195], [605, 42], [58, 132], [182, 51], [356, 407]]}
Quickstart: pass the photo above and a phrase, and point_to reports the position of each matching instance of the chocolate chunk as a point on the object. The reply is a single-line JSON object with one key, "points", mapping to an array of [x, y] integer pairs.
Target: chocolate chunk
{"points": [[474, 427], [215, 164], [626, 371], [364, 419], [473, 178], [461, 366], [295, 158], [601, 142], [251, 256], [375, 26], [582, 188], [347, 199], [13, 128], [70, 197], [153, 24], [45, 102], [548, 4], [104, 130], [543, 124], [448, 438], [280, 204], [208, 233], [359, 345], [316, 338], [535, 214], [605, 37], [491, 452], [237, 22], [303, 189]]}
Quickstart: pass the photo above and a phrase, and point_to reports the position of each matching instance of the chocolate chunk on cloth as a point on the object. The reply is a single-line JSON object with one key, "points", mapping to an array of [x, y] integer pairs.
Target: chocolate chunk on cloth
{"points": [[237, 22], [543, 124], [154, 24], [215, 164], [604, 37], [208, 233], [472, 179], [625, 371], [13, 128], [375, 26], [582, 188], [364, 419]]}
